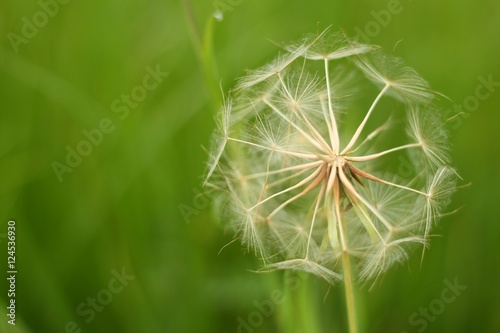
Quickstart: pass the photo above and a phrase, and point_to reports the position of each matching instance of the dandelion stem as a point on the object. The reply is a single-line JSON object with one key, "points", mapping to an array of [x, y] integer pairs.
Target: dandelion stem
{"points": [[349, 294], [193, 27], [346, 264], [203, 45], [307, 305]]}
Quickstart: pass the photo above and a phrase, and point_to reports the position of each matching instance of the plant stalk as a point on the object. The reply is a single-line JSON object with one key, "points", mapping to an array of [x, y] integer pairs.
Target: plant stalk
{"points": [[349, 294], [203, 45]]}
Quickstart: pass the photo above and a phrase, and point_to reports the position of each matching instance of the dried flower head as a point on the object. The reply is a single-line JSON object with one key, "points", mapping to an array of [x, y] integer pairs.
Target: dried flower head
{"points": [[305, 159]]}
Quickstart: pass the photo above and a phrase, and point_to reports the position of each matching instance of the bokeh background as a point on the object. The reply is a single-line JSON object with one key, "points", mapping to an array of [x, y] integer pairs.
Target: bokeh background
{"points": [[119, 209]]}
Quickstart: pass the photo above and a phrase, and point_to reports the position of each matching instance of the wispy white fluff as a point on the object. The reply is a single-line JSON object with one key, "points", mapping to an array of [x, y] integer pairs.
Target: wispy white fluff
{"points": [[303, 190]]}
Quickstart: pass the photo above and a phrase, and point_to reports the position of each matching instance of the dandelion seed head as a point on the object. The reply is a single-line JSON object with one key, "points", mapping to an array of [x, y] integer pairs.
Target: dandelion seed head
{"points": [[303, 190]]}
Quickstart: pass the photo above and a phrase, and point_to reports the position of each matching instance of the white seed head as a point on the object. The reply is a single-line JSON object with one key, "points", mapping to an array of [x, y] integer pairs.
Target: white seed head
{"points": [[302, 188]]}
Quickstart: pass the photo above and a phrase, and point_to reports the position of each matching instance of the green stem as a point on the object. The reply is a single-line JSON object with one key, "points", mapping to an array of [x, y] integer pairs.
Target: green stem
{"points": [[210, 69], [298, 313], [203, 45], [349, 294], [307, 303], [285, 318], [194, 30]]}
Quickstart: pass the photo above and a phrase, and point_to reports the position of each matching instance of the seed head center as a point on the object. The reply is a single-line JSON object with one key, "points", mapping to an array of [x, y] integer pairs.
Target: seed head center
{"points": [[338, 161]]}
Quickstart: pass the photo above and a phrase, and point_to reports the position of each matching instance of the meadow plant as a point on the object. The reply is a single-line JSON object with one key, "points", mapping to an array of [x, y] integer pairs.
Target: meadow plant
{"points": [[304, 160]]}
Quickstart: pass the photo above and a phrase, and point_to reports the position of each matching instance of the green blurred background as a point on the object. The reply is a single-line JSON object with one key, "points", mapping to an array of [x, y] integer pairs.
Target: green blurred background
{"points": [[118, 209]]}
